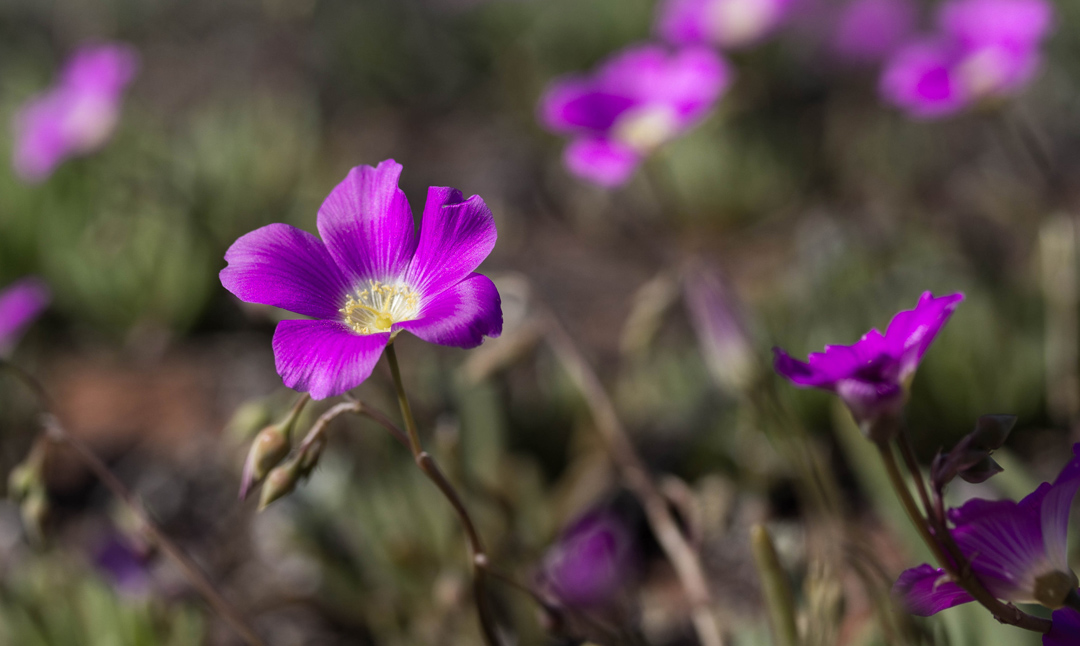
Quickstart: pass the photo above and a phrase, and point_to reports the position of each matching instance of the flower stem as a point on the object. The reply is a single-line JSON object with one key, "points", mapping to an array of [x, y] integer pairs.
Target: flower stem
{"points": [[427, 464], [775, 586]]}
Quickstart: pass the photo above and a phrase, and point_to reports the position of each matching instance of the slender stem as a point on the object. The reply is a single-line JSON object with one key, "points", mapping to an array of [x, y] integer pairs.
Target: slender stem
{"points": [[912, 509], [636, 477], [190, 570], [55, 432], [907, 451], [427, 464], [775, 586]]}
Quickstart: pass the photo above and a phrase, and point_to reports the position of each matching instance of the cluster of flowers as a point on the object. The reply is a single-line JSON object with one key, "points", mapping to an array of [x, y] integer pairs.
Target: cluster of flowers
{"points": [[649, 94], [1016, 551]]}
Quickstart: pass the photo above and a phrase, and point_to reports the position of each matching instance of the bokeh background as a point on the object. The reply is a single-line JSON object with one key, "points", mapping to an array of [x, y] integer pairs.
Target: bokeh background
{"points": [[824, 211]]}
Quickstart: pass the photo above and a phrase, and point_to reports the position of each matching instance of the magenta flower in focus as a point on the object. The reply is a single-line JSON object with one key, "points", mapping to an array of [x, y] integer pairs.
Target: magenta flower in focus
{"points": [[370, 277], [872, 375], [983, 49], [76, 116], [639, 99], [20, 303], [728, 24], [1017, 550], [1066, 629], [867, 31], [592, 562]]}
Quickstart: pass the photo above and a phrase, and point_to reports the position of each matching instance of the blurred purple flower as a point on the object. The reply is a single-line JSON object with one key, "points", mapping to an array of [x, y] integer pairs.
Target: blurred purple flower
{"points": [[1017, 550], [983, 49], [125, 566], [20, 303], [867, 31], [872, 375], [78, 115], [592, 562], [724, 340], [729, 24], [1066, 630], [641, 98], [370, 277]]}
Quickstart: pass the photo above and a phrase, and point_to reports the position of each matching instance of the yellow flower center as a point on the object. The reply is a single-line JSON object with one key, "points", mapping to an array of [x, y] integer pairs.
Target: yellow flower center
{"points": [[376, 308], [646, 127], [739, 22]]}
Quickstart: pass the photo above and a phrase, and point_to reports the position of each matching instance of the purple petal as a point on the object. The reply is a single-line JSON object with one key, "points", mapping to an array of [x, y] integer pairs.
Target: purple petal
{"points": [[926, 591], [869, 30], [577, 105], [20, 303], [688, 80], [592, 561], [870, 400], [727, 23], [325, 358], [106, 68], [1004, 542], [456, 235], [684, 22], [460, 316], [1055, 510], [920, 79], [601, 161], [1066, 629], [799, 373], [367, 225], [286, 267], [1013, 24], [911, 332]]}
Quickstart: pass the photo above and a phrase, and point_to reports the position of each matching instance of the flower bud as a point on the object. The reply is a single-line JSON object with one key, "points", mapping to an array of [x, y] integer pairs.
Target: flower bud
{"points": [[270, 447], [280, 482]]}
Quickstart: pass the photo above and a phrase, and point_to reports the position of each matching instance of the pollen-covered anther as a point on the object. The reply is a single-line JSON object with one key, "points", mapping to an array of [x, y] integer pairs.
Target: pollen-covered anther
{"points": [[375, 309]]}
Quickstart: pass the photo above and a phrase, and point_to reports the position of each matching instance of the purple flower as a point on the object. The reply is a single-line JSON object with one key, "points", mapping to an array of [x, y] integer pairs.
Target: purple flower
{"points": [[1017, 550], [20, 303], [983, 49], [1066, 629], [78, 115], [871, 376], [370, 277], [125, 566], [729, 24], [591, 562], [868, 31], [639, 99]]}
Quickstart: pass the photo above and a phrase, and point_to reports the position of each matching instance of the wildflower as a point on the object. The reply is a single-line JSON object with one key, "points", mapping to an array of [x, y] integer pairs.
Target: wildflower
{"points": [[983, 49], [592, 561], [868, 31], [370, 277], [78, 115], [729, 24], [1016, 550], [872, 375], [1066, 628], [639, 99], [20, 303]]}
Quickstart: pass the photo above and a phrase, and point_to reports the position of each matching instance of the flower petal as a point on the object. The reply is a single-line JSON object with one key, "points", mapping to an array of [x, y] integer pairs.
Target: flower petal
{"points": [[921, 80], [911, 332], [20, 303], [575, 104], [800, 373], [460, 316], [325, 358], [367, 224], [601, 161], [286, 267], [1066, 629], [1055, 510], [456, 235], [926, 590], [684, 22]]}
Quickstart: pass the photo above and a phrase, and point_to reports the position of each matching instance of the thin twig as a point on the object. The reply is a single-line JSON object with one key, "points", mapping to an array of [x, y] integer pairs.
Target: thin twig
{"points": [[635, 475]]}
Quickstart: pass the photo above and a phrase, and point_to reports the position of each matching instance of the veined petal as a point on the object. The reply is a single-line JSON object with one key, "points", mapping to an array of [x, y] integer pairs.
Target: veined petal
{"points": [[367, 224], [601, 161], [460, 316], [20, 303], [1055, 510], [456, 235], [926, 590], [325, 358], [1066, 629], [286, 267]]}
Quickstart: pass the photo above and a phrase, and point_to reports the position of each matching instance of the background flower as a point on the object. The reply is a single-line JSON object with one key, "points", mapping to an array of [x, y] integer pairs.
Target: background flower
{"points": [[20, 303], [729, 24]]}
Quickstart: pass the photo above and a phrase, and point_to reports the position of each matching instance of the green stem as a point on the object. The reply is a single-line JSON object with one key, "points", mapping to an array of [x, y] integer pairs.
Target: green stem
{"points": [[775, 586], [430, 468]]}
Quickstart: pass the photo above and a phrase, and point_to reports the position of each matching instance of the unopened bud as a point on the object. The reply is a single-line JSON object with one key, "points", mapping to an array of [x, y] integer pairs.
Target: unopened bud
{"points": [[34, 509], [23, 479], [279, 483], [1053, 588], [270, 447]]}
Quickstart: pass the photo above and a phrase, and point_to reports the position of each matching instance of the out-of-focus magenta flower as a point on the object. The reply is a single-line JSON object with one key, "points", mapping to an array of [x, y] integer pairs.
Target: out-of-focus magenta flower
{"points": [[983, 49], [729, 24], [868, 31], [592, 561], [77, 115], [124, 565], [20, 303], [1017, 550], [872, 375], [370, 277], [641, 98], [1066, 629]]}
